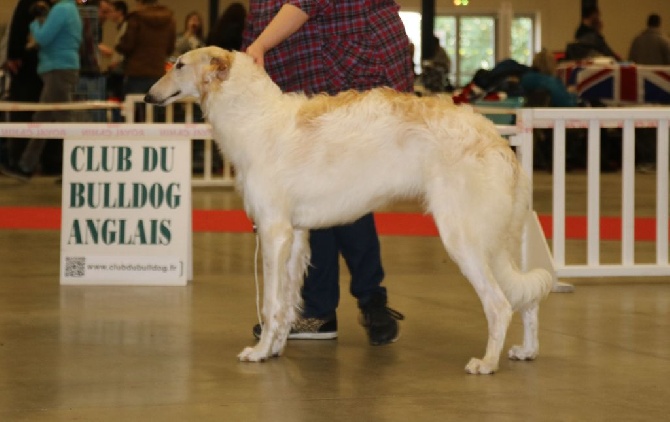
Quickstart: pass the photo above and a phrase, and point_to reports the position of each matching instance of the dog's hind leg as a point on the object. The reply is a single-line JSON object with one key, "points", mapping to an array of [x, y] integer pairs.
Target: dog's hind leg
{"points": [[276, 240], [531, 345], [297, 267], [470, 253], [498, 313]]}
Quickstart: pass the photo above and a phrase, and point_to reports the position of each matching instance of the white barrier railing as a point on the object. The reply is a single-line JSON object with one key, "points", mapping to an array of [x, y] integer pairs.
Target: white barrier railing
{"points": [[187, 128], [520, 136], [593, 119], [190, 108]]}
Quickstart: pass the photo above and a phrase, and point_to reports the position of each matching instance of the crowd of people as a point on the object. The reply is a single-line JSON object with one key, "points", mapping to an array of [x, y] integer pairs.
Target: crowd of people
{"points": [[650, 47], [55, 53]]}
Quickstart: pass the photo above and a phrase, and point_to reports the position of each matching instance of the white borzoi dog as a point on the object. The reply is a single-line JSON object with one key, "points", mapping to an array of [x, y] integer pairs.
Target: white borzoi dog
{"points": [[305, 163]]}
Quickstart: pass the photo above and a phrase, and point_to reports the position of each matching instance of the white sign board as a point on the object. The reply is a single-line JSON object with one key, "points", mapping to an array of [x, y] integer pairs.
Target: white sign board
{"points": [[126, 212]]}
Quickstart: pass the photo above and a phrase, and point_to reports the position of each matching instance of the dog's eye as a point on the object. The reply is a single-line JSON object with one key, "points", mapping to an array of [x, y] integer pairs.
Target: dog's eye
{"points": [[179, 65]]}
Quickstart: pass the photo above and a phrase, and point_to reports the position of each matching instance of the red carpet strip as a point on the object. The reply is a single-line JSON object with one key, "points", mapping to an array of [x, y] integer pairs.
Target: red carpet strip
{"points": [[388, 224]]}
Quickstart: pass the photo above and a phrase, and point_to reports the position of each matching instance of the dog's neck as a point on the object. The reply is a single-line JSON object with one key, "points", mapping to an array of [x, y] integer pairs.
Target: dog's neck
{"points": [[246, 95], [247, 89]]}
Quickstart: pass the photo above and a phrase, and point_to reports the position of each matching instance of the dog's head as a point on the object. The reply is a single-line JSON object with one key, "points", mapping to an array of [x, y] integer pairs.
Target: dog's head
{"points": [[192, 75]]}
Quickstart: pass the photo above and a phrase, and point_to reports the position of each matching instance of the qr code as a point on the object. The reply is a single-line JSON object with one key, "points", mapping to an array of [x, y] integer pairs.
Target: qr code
{"points": [[75, 266]]}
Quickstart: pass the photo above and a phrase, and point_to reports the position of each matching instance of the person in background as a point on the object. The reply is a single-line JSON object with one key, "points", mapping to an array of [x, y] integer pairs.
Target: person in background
{"points": [[116, 64], [115, 67], [435, 69], [146, 45], [25, 83], [228, 30], [105, 11], [92, 81], [192, 37], [542, 77], [589, 35], [651, 46], [318, 47], [59, 39]]}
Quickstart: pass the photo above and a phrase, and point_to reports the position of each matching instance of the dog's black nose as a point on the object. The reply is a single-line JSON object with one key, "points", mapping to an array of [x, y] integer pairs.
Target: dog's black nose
{"points": [[149, 99]]}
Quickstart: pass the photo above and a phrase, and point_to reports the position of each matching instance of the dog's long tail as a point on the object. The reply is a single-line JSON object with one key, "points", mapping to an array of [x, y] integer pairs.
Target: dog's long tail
{"points": [[520, 288]]}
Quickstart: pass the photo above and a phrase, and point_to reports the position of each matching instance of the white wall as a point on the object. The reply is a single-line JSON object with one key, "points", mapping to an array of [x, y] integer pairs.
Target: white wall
{"points": [[559, 18]]}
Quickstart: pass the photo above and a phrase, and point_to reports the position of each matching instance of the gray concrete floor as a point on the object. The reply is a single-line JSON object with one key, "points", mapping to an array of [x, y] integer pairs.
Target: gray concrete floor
{"points": [[169, 354]]}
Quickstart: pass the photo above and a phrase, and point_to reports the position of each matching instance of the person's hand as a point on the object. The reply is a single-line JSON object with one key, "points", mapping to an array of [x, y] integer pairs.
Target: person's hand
{"points": [[257, 52], [13, 66], [105, 50]]}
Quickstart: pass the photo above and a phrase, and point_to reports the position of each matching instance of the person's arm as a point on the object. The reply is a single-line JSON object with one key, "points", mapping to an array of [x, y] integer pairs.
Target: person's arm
{"points": [[44, 33], [288, 21]]}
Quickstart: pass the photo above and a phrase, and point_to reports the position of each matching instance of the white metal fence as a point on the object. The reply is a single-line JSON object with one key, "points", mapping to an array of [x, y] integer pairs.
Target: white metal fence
{"points": [[592, 120], [190, 110]]}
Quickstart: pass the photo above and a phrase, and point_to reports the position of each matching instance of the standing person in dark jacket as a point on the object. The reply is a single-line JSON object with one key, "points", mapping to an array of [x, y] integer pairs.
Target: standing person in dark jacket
{"points": [[589, 33], [25, 83], [149, 40], [651, 46], [228, 30]]}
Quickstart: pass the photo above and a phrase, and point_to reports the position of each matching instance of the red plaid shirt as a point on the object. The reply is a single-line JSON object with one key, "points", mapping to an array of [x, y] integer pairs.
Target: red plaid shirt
{"points": [[345, 44]]}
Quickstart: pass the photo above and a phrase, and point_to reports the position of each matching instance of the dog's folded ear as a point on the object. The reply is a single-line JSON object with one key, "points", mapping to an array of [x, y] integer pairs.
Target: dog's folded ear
{"points": [[219, 67]]}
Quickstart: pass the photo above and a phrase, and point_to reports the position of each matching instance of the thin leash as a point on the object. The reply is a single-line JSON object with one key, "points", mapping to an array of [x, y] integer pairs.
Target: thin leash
{"points": [[258, 296]]}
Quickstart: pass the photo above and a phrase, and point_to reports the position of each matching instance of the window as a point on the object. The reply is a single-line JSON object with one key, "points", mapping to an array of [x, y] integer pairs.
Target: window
{"points": [[412, 22], [476, 46], [522, 39]]}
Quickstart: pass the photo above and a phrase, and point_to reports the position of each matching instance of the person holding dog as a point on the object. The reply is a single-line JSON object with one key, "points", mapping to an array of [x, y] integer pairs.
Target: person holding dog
{"points": [[330, 47]]}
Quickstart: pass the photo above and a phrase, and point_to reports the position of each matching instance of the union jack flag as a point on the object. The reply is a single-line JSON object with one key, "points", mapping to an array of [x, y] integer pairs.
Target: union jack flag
{"points": [[618, 82], [655, 85]]}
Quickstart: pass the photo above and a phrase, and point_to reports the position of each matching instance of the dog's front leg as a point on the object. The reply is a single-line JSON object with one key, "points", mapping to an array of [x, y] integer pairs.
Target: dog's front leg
{"points": [[297, 268], [276, 239]]}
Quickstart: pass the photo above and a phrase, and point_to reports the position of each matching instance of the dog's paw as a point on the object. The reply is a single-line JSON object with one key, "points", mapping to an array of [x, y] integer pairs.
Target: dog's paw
{"points": [[521, 353], [478, 366], [278, 348], [252, 354]]}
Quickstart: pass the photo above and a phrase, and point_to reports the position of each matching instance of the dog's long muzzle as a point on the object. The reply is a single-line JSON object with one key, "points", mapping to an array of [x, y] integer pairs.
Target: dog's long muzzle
{"points": [[152, 99]]}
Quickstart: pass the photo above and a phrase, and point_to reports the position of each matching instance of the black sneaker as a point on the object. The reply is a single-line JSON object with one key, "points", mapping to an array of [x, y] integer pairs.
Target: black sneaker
{"points": [[15, 173], [380, 321], [308, 329]]}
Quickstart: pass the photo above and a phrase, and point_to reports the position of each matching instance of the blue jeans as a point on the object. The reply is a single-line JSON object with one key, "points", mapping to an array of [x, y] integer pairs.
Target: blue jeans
{"points": [[359, 245], [92, 88]]}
